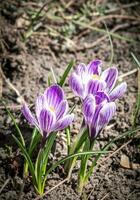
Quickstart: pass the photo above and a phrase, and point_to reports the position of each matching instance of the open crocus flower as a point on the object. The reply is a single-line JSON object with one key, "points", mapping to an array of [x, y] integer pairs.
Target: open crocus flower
{"points": [[97, 111], [51, 111], [89, 80]]}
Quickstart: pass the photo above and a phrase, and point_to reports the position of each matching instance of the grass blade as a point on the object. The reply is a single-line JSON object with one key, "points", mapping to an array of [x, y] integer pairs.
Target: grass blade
{"points": [[75, 155], [66, 72], [15, 124], [136, 60], [27, 157]]}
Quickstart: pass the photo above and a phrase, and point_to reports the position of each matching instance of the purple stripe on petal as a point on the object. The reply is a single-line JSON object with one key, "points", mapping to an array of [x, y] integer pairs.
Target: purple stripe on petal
{"points": [[105, 115], [110, 76], [64, 122], [92, 131], [89, 107], [76, 85], [94, 67], [28, 115], [41, 103], [62, 109], [54, 95], [95, 86], [101, 96], [46, 121], [118, 91], [80, 69]]}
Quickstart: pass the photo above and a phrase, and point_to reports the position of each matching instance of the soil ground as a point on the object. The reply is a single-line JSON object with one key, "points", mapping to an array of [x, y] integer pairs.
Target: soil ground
{"points": [[65, 30]]}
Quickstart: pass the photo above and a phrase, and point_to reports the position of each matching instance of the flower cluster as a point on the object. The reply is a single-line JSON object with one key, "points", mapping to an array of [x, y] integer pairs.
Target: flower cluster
{"points": [[97, 92]]}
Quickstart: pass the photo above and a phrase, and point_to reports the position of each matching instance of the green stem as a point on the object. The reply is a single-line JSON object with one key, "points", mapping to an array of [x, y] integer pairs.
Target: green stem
{"points": [[25, 171], [68, 139], [83, 168], [75, 148]]}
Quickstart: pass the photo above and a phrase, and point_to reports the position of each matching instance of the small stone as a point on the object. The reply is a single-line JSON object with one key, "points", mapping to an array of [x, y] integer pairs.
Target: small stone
{"points": [[125, 161]]}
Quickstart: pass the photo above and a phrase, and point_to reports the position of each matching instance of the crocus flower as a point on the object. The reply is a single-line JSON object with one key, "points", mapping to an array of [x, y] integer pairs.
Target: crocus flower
{"points": [[97, 111], [89, 80], [51, 110]]}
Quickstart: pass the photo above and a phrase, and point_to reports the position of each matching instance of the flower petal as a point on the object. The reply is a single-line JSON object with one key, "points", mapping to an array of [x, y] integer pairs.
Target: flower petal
{"points": [[54, 95], [46, 121], [76, 85], [62, 109], [110, 76], [95, 86], [41, 103], [89, 107], [105, 115], [102, 116], [100, 97], [94, 67], [28, 115], [64, 122], [118, 91], [81, 68]]}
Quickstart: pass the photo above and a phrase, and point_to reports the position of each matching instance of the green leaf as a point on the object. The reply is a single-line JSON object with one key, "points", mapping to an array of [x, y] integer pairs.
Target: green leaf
{"points": [[65, 74], [27, 157], [75, 148], [136, 60], [38, 170], [15, 124], [75, 155], [84, 159], [41, 162], [47, 150], [34, 141], [68, 135]]}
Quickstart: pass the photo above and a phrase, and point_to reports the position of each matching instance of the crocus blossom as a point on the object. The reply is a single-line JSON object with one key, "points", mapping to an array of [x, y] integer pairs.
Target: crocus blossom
{"points": [[89, 80], [51, 110], [97, 111]]}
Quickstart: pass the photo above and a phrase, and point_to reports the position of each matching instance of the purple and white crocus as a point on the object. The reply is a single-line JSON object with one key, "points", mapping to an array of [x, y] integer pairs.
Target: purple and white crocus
{"points": [[97, 111], [89, 80], [51, 110]]}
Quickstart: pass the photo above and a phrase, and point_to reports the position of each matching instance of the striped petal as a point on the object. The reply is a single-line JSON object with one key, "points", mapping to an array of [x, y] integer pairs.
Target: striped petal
{"points": [[101, 96], [105, 115], [89, 107], [110, 76], [76, 85], [46, 122], [41, 103], [62, 109], [28, 115], [95, 86], [80, 69], [94, 67], [64, 122], [118, 91], [54, 95]]}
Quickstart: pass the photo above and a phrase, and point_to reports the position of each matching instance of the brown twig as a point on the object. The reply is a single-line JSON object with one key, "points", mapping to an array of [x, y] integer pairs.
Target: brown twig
{"points": [[4, 185], [11, 86], [112, 154], [127, 74], [133, 4]]}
